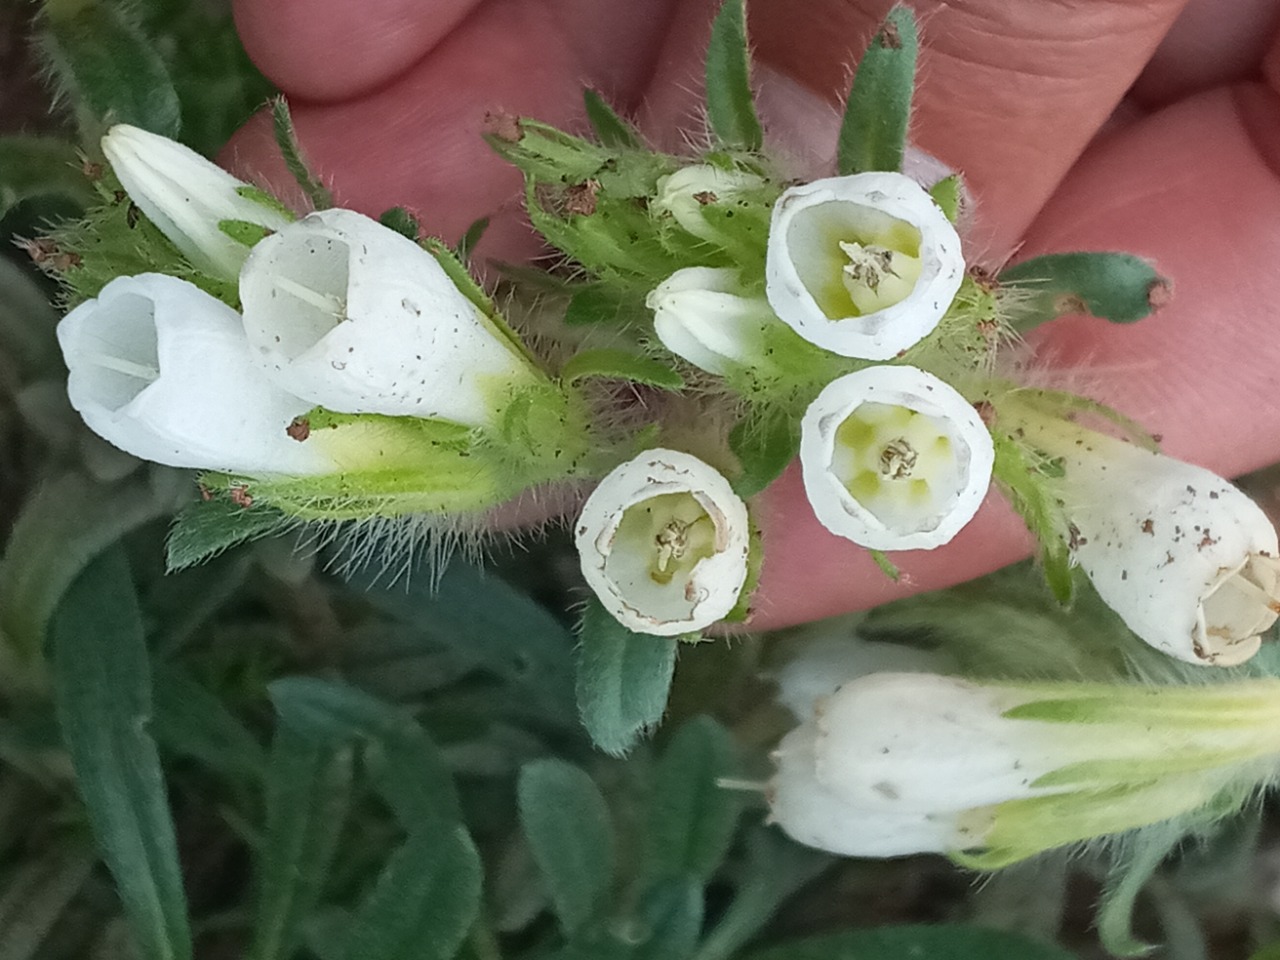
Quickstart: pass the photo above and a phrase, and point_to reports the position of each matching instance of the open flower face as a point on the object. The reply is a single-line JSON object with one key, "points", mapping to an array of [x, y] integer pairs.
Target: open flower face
{"points": [[663, 542], [354, 317], [162, 370], [894, 459], [864, 266]]}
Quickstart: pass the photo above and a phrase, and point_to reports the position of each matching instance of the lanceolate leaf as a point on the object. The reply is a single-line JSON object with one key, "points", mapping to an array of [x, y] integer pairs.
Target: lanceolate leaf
{"points": [[424, 902], [764, 445], [1118, 287], [621, 365], [610, 129], [692, 818], [102, 682], [40, 167], [567, 824], [874, 133], [940, 942], [106, 67], [206, 528], [623, 680], [730, 104], [308, 790]]}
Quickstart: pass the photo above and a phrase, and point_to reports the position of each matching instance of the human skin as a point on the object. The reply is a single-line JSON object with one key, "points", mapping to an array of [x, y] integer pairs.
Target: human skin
{"points": [[1034, 100]]}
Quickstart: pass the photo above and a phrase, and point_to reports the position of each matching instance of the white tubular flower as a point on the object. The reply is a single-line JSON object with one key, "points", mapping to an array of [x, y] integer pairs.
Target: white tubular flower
{"points": [[894, 458], [186, 197], [163, 371], [864, 266], [1187, 560], [816, 816], [904, 763], [663, 542], [700, 314], [359, 319], [684, 193]]}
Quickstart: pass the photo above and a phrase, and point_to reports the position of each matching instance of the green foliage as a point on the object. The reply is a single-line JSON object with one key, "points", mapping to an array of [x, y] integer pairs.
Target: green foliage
{"points": [[610, 129], [1021, 473], [1118, 287], [102, 682], [873, 135], [424, 902], [623, 680], [612, 364], [206, 528], [764, 442], [106, 69], [692, 819], [33, 167], [730, 102], [942, 942], [568, 827], [287, 140], [946, 194]]}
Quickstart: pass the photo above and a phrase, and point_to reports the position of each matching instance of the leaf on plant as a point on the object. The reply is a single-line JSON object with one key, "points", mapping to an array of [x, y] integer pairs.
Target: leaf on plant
{"points": [[730, 103], [192, 721], [308, 792], [409, 771], [610, 129], [873, 135], [946, 194], [597, 303], [623, 680], [936, 942], [402, 222], [291, 151], [566, 821], [102, 685], [40, 167], [613, 364], [1118, 287], [692, 818], [672, 911], [208, 527], [467, 242], [36, 895], [1022, 482], [424, 902], [764, 445], [105, 66]]}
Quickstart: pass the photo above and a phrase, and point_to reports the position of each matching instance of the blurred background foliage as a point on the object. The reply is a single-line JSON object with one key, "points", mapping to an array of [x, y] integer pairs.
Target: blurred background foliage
{"points": [[259, 758]]}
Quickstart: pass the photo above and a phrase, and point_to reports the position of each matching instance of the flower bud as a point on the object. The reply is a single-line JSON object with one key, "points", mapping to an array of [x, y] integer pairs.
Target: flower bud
{"points": [[663, 542], [701, 314], [685, 193], [354, 317], [894, 458], [864, 266], [163, 371], [186, 197], [1187, 560]]}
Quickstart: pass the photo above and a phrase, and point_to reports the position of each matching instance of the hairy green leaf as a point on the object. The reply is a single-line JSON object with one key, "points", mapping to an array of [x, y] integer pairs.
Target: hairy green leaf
{"points": [[1118, 287], [291, 150], [424, 902], [308, 792], [610, 129], [614, 364], [568, 827], [40, 167], [873, 135], [940, 942], [192, 721], [764, 445], [106, 68], [692, 818], [206, 528], [623, 680], [102, 683], [730, 103]]}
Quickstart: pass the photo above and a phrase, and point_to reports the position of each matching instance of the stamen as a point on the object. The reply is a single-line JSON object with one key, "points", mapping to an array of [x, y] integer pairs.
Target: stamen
{"points": [[672, 541], [898, 459], [129, 368], [321, 301], [868, 264]]}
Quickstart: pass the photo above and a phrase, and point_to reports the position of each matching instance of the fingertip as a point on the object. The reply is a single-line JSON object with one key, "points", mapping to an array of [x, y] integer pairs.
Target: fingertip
{"points": [[330, 49]]}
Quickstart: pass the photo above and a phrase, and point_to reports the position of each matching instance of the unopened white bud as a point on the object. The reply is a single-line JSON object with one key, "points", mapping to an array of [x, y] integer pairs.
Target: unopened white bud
{"points": [[663, 542], [703, 315], [359, 319], [687, 192], [894, 458], [163, 371], [864, 266], [187, 197]]}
